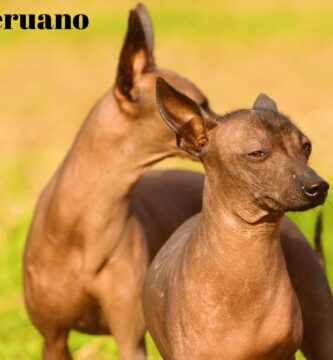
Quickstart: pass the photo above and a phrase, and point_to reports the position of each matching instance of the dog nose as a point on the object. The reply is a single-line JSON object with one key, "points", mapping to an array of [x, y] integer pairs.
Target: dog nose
{"points": [[316, 189]]}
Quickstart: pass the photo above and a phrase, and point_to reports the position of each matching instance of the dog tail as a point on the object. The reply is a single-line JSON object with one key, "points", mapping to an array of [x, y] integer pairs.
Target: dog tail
{"points": [[318, 240]]}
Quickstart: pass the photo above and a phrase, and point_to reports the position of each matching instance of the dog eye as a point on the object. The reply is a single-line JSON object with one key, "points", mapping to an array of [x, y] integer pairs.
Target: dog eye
{"points": [[256, 154], [307, 147]]}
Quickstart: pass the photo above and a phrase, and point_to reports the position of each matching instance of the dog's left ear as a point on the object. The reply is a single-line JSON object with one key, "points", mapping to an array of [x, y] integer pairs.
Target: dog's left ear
{"points": [[264, 102], [185, 117], [136, 56]]}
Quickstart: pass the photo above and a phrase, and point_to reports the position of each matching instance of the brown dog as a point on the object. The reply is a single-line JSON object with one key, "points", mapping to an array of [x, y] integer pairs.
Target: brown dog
{"points": [[86, 253], [93, 234], [219, 288]]}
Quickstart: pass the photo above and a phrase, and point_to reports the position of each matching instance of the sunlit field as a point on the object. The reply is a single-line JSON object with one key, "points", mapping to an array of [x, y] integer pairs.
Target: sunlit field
{"points": [[50, 79]]}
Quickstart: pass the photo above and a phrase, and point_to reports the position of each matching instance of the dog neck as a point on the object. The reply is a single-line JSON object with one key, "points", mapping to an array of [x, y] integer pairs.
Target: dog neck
{"points": [[91, 189], [247, 256], [237, 216], [244, 272]]}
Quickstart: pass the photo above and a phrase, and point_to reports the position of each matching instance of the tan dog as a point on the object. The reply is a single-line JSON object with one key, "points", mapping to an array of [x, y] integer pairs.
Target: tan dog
{"points": [[94, 233], [219, 288], [86, 253]]}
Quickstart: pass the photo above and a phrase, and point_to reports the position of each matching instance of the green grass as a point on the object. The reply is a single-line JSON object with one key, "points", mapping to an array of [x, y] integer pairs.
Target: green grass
{"points": [[19, 339]]}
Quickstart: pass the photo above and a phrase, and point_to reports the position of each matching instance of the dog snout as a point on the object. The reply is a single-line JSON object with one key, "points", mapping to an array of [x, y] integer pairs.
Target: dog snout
{"points": [[315, 189]]}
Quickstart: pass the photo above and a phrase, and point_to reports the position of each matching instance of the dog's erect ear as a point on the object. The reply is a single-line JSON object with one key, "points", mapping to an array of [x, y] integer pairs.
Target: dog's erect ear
{"points": [[184, 116], [145, 19], [136, 55], [264, 102]]}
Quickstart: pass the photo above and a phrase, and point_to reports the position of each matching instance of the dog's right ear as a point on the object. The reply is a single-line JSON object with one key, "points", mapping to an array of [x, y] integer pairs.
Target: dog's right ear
{"points": [[184, 116], [264, 102], [136, 56]]}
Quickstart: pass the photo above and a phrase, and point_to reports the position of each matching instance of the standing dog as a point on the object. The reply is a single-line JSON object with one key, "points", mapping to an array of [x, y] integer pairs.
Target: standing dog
{"points": [[219, 288], [95, 230], [86, 254]]}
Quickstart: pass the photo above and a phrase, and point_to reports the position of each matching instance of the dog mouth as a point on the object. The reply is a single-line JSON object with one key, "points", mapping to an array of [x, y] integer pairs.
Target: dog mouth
{"points": [[312, 203], [290, 202], [302, 202]]}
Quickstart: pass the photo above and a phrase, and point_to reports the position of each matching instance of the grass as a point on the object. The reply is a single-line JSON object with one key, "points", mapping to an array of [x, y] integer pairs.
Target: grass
{"points": [[232, 49]]}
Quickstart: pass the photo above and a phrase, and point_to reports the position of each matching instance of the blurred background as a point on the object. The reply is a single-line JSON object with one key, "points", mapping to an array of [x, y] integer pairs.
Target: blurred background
{"points": [[232, 50]]}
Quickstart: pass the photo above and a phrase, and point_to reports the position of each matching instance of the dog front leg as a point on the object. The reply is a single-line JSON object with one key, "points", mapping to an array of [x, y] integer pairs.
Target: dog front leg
{"points": [[118, 289], [55, 346], [125, 319]]}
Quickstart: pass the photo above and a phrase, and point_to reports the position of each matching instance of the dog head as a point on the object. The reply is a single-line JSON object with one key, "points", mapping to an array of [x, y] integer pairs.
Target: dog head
{"points": [[134, 87], [258, 155]]}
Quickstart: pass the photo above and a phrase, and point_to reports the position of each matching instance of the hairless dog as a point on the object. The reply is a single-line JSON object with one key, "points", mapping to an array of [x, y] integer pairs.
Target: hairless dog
{"points": [[219, 287], [86, 253], [95, 230]]}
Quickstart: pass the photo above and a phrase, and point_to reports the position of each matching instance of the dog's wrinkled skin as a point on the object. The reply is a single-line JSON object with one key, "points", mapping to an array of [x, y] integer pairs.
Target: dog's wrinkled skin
{"points": [[219, 288], [93, 234]]}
